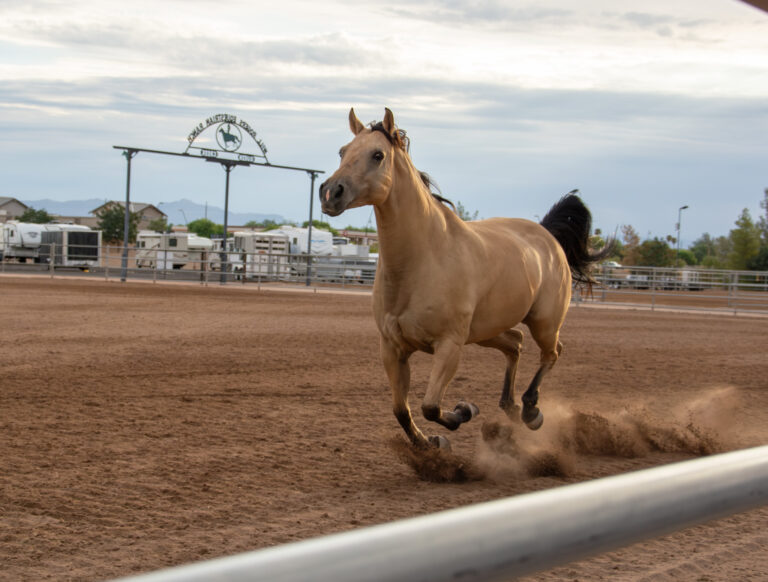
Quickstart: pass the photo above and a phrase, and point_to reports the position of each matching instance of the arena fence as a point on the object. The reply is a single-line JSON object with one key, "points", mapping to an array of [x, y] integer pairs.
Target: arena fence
{"points": [[732, 292], [512, 537]]}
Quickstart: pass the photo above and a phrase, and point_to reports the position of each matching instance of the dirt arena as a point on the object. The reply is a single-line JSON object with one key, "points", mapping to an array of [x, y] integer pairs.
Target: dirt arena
{"points": [[144, 426]]}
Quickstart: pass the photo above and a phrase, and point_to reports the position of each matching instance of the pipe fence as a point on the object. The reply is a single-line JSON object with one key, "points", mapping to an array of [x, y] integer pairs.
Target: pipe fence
{"points": [[731, 292], [513, 537]]}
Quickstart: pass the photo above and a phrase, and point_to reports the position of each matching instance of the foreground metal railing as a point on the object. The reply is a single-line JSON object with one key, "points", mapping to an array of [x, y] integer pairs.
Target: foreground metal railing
{"points": [[511, 537]]}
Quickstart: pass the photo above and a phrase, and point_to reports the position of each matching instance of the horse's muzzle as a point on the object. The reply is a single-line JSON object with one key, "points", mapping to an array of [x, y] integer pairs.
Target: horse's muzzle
{"points": [[333, 198]]}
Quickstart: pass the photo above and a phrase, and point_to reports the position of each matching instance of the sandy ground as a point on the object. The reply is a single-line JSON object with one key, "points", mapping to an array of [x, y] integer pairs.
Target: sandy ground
{"points": [[145, 426]]}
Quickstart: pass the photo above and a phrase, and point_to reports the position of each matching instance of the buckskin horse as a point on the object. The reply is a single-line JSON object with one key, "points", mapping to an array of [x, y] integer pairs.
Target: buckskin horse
{"points": [[442, 282]]}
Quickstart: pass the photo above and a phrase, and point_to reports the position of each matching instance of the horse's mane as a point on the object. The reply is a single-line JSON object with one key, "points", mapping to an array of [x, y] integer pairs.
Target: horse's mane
{"points": [[401, 140]]}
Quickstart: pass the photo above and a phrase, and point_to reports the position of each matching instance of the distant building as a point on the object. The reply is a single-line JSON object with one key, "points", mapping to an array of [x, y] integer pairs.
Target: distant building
{"points": [[148, 212], [11, 209], [360, 237]]}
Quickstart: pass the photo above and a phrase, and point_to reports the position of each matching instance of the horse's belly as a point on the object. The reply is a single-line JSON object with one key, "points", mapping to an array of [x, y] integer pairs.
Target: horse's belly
{"points": [[492, 318]]}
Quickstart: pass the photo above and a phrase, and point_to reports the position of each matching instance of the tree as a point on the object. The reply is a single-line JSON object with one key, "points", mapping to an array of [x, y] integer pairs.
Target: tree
{"points": [[655, 253], [687, 257], [266, 224], [702, 247], [463, 213], [760, 262], [631, 245], [360, 228], [159, 225], [205, 227], [112, 223], [762, 222], [745, 241], [321, 225], [35, 216]]}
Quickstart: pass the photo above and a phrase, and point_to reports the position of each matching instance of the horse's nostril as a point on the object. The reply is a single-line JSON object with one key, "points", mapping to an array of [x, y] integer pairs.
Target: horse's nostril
{"points": [[339, 191]]}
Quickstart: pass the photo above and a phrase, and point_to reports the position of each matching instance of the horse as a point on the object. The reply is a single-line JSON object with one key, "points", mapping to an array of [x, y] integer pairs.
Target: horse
{"points": [[229, 137], [442, 283]]}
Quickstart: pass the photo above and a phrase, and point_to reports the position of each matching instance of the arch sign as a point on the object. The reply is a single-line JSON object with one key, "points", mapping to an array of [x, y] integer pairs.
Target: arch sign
{"points": [[229, 134]]}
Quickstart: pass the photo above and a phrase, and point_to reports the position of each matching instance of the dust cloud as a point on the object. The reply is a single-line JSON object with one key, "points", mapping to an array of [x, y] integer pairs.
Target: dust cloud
{"points": [[507, 449]]}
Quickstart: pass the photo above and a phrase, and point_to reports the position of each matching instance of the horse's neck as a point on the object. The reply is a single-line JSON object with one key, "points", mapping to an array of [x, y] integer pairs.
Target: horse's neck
{"points": [[409, 222]]}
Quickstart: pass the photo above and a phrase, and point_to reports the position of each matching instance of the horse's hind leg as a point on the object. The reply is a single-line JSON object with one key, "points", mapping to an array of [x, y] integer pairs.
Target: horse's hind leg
{"points": [[399, 373], [510, 343], [548, 342]]}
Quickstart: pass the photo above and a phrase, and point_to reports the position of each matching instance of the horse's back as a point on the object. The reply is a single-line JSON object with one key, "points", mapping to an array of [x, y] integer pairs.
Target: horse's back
{"points": [[526, 272]]}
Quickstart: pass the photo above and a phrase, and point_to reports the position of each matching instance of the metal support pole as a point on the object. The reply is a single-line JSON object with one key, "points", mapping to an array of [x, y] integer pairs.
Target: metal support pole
{"points": [[227, 168], [127, 222], [679, 218], [312, 176]]}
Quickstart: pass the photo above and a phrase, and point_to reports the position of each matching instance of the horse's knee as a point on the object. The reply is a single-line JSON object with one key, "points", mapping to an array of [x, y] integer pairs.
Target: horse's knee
{"points": [[430, 411]]}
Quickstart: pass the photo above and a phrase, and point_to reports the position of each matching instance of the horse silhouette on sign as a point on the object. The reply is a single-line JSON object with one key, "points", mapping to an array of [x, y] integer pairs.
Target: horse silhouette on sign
{"points": [[229, 137]]}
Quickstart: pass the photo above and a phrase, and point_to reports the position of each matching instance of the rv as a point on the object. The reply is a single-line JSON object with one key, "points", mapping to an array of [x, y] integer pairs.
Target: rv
{"points": [[170, 250], [20, 240], [71, 245]]}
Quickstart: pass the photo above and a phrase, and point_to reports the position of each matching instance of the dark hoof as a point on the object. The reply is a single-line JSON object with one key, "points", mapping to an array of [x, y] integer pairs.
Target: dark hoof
{"points": [[466, 411], [533, 419], [440, 442]]}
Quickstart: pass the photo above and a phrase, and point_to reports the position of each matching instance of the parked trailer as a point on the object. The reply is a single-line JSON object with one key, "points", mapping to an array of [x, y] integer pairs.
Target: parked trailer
{"points": [[21, 240], [75, 245], [161, 250], [263, 255], [70, 245]]}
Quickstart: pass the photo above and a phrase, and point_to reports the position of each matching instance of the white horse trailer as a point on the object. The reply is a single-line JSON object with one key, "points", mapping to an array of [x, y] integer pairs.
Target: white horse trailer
{"points": [[263, 255], [170, 250], [70, 245]]}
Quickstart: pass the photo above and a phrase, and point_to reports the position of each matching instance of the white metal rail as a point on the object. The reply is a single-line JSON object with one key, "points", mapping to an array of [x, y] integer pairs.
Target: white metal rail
{"points": [[503, 539]]}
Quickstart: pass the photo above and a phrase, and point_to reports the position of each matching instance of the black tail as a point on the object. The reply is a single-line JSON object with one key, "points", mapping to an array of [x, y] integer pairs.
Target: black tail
{"points": [[570, 222]]}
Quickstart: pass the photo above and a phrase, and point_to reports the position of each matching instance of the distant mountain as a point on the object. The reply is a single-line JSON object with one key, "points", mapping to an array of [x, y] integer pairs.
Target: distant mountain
{"points": [[68, 208], [178, 212]]}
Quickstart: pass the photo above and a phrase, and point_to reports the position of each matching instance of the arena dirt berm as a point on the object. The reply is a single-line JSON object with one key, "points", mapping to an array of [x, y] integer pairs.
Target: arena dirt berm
{"points": [[152, 425]]}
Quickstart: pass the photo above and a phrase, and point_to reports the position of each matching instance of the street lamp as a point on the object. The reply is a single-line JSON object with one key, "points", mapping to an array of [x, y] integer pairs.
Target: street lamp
{"points": [[679, 217], [184, 214]]}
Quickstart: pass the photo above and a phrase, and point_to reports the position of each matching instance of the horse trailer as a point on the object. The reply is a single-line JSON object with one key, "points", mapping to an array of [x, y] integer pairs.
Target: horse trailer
{"points": [[159, 250], [263, 255], [70, 245]]}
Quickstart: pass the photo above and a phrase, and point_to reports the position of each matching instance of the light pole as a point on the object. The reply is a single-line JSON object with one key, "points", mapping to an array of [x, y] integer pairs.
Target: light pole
{"points": [[679, 217], [184, 214]]}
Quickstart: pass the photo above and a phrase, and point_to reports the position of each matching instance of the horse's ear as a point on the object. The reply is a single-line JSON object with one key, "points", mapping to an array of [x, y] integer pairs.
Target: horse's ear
{"points": [[389, 122], [354, 123]]}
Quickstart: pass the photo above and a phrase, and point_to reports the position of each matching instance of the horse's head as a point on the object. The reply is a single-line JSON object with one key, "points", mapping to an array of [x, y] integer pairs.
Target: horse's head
{"points": [[367, 165]]}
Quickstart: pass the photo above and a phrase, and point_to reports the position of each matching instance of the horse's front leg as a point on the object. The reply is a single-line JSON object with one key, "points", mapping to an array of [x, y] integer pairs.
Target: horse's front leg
{"points": [[399, 373], [444, 365]]}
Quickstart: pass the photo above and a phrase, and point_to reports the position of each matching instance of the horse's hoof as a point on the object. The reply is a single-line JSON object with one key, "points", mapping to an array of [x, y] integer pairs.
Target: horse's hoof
{"points": [[466, 410], [440, 442], [536, 423]]}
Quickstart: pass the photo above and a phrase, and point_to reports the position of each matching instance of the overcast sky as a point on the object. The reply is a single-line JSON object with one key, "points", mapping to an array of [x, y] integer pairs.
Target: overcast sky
{"points": [[643, 106]]}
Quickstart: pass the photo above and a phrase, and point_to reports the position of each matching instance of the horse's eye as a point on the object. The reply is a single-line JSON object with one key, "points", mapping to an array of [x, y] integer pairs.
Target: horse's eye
{"points": [[378, 155]]}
